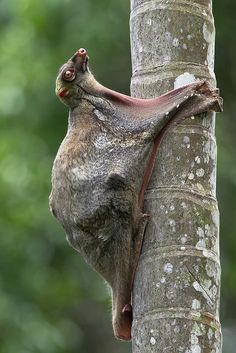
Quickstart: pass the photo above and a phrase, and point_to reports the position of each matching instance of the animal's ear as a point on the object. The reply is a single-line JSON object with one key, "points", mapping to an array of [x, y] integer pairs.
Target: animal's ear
{"points": [[80, 59]]}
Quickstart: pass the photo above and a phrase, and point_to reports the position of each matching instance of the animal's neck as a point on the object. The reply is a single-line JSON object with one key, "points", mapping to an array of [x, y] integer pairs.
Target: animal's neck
{"points": [[81, 116]]}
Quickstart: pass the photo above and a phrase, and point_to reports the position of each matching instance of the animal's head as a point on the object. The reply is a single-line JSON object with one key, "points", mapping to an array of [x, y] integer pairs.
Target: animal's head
{"points": [[73, 79]]}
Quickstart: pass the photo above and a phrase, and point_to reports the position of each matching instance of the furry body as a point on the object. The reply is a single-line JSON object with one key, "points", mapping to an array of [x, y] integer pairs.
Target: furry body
{"points": [[103, 167]]}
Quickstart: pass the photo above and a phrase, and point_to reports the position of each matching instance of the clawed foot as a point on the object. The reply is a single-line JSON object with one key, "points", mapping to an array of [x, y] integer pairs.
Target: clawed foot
{"points": [[122, 327], [128, 308], [204, 88]]}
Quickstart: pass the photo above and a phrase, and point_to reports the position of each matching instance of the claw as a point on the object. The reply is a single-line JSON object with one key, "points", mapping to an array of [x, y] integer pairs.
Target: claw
{"points": [[127, 308]]}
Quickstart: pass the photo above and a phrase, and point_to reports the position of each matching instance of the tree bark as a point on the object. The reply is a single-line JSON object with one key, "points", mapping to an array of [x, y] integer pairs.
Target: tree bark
{"points": [[177, 285]]}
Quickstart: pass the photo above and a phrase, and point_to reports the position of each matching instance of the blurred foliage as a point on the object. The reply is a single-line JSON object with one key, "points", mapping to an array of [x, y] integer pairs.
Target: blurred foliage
{"points": [[50, 301], [226, 182]]}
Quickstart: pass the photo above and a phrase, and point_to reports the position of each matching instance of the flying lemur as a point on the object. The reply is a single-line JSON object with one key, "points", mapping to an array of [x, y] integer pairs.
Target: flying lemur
{"points": [[103, 167]]}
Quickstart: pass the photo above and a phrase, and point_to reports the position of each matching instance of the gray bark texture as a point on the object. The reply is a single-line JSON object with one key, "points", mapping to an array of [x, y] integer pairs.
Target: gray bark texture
{"points": [[177, 285]]}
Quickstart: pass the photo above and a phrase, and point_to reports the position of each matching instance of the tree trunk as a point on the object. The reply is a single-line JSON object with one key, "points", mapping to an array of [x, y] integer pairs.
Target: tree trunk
{"points": [[176, 290]]}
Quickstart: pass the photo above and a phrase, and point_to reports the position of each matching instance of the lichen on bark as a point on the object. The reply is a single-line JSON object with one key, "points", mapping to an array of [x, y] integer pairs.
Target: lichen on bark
{"points": [[176, 289]]}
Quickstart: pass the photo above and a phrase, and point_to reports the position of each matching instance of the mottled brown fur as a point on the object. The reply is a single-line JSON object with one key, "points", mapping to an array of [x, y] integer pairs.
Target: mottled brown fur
{"points": [[103, 167]]}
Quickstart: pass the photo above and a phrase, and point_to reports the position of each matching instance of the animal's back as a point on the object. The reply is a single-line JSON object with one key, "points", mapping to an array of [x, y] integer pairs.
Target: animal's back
{"points": [[92, 184], [93, 198]]}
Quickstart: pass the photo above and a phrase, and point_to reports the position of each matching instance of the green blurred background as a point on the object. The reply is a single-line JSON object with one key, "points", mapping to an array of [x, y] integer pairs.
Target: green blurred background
{"points": [[50, 301]]}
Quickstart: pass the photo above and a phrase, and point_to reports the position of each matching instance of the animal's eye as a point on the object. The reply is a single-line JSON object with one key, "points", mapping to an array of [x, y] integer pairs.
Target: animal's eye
{"points": [[69, 75]]}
